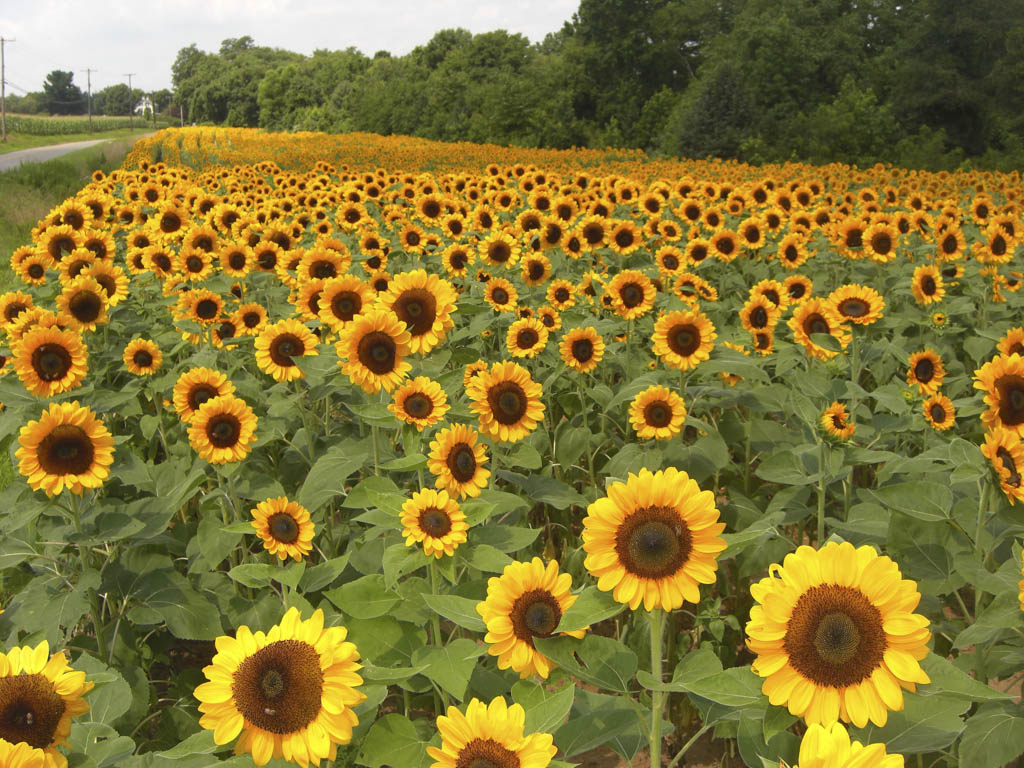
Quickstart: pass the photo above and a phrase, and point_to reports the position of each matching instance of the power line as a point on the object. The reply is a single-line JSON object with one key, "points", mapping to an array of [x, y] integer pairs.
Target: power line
{"points": [[3, 90], [88, 80]]}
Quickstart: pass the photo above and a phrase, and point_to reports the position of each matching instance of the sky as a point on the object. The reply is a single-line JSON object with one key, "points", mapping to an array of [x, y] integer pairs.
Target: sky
{"points": [[144, 36]]}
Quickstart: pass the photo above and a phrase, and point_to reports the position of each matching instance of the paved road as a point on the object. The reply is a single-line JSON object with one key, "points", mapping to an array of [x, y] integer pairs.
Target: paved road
{"points": [[13, 160]]}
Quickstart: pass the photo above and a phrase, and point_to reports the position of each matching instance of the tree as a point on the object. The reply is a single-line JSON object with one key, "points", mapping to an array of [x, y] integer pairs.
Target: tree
{"points": [[113, 100], [61, 95]]}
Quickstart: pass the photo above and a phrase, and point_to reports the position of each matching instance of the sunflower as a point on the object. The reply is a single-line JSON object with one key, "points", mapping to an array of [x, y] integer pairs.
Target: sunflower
{"points": [[836, 421], [39, 695], [499, 249], [434, 519], [759, 314], [420, 402], [68, 447], [792, 250], [223, 430], [425, 304], [624, 238], [236, 259], [582, 349], [456, 259], [342, 299], [817, 316], [772, 290], [724, 245], [880, 242], [799, 288], [830, 747], [112, 278], [632, 294], [472, 369], [536, 268], [277, 346], [32, 269], [194, 264], [561, 294], [507, 400], [501, 294], [1012, 342], [49, 360], [653, 539], [490, 736], [526, 601], [550, 317], [159, 260], [1002, 380], [372, 350], [249, 319], [657, 412], [195, 387], [926, 370], [142, 357], [857, 303], [1004, 449], [284, 526], [456, 458], [835, 635], [526, 338], [289, 692], [682, 340], [927, 285], [12, 304], [84, 303]]}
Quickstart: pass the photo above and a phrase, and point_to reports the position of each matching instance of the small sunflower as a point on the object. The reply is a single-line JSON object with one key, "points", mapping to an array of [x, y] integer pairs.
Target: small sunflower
{"points": [[682, 340], [456, 459], [927, 285], [12, 304], [657, 413], [420, 402], [223, 430], [499, 249], [857, 303], [835, 635], [435, 520], [249, 319], [490, 736], [831, 747], [816, 316], [49, 361], [284, 526], [526, 338], [289, 693], [582, 349], [799, 288], [759, 314], [372, 350], [1002, 380], [507, 400], [425, 304], [561, 294], [939, 412], [501, 294], [472, 369], [68, 447], [653, 539], [32, 269], [142, 357], [277, 346], [236, 259], [927, 371], [84, 302], [526, 601], [1004, 449], [632, 294], [836, 421], [39, 696], [195, 387]]}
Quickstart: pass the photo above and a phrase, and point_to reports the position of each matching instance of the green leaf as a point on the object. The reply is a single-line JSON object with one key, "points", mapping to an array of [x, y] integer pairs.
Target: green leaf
{"points": [[390, 674], [450, 666], [505, 538], [785, 468], [603, 661], [200, 743], [253, 575], [994, 737], [323, 574], [364, 598], [920, 499], [523, 456], [596, 719], [591, 606], [1002, 613], [548, 490], [460, 610], [570, 445], [326, 479], [165, 595], [734, 687], [545, 709], [484, 557], [406, 463], [925, 724], [393, 741], [949, 680], [400, 560]]}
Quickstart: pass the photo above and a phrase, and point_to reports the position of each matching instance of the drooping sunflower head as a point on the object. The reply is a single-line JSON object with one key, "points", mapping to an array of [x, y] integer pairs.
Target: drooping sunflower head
{"points": [[1005, 451], [582, 349], [836, 636], [142, 357], [372, 350], [68, 447], [223, 430], [289, 692], [682, 340], [456, 459], [857, 303], [926, 370], [277, 346], [420, 402], [424, 303], [435, 520], [284, 526], [39, 696], [507, 400], [490, 736], [525, 602], [49, 360], [657, 413], [653, 539], [831, 747], [836, 422]]}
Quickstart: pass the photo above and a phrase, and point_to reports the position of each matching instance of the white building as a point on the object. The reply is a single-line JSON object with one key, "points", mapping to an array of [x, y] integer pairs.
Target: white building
{"points": [[145, 105]]}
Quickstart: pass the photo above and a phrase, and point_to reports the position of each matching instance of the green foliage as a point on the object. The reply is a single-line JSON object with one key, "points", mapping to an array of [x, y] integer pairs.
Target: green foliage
{"points": [[61, 95]]}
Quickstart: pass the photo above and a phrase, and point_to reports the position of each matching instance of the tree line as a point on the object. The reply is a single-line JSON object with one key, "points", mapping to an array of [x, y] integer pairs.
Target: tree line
{"points": [[61, 96]]}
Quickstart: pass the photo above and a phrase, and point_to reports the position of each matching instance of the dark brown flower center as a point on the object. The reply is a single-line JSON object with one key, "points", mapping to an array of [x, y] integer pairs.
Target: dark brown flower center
{"points": [[378, 352], [950, 245], [834, 636], [223, 430], [1011, 399], [583, 350], [535, 614], [499, 296], [683, 339], [461, 462], [815, 323], [725, 245], [194, 264], [562, 295], [881, 243], [536, 270], [759, 317], [653, 542], [417, 308], [142, 358], [631, 295], [207, 309], [345, 305], [499, 252], [199, 394], [658, 414], [507, 401], [624, 237], [418, 405], [285, 346], [486, 753], [30, 710], [279, 687], [236, 260], [435, 522], [36, 271], [66, 450], [938, 413], [283, 527], [1010, 466], [51, 362], [797, 290], [527, 338], [853, 307], [323, 270], [924, 370], [928, 286], [85, 306]]}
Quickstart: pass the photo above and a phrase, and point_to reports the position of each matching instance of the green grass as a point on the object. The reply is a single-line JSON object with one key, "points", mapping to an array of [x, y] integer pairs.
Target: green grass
{"points": [[28, 193], [19, 141]]}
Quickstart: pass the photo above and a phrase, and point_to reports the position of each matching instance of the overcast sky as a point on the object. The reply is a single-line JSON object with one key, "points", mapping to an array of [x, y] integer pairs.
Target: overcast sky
{"points": [[114, 37]]}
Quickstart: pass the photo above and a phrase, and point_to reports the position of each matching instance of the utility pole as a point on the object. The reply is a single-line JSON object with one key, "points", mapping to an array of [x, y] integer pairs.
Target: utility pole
{"points": [[3, 90], [131, 106], [88, 80]]}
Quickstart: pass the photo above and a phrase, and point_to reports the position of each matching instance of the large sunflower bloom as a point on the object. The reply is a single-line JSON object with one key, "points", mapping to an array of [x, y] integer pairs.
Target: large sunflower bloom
{"points": [[39, 694], [223, 430], [525, 602], [194, 387], [142, 357], [425, 304], [657, 412], [490, 735], [284, 526], [632, 294], [289, 692], [434, 519], [507, 400], [456, 459], [277, 346], [420, 402], [50, 361], [1002, 380], [682, 340], [835, 635], [68, 447], [831, 747], [653, 539], [84, 303], [857, 303], [582, 349], [372, 350]]}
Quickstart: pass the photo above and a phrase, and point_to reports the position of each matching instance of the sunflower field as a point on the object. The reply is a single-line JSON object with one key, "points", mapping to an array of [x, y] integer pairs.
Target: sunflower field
{"points": [[362, 451]]}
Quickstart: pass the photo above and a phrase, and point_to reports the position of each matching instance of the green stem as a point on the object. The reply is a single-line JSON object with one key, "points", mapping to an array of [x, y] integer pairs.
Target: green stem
{"points": [[84, 555], [376, 451], [821, 494], [440, 701], [685, 748], [656, 618]]}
